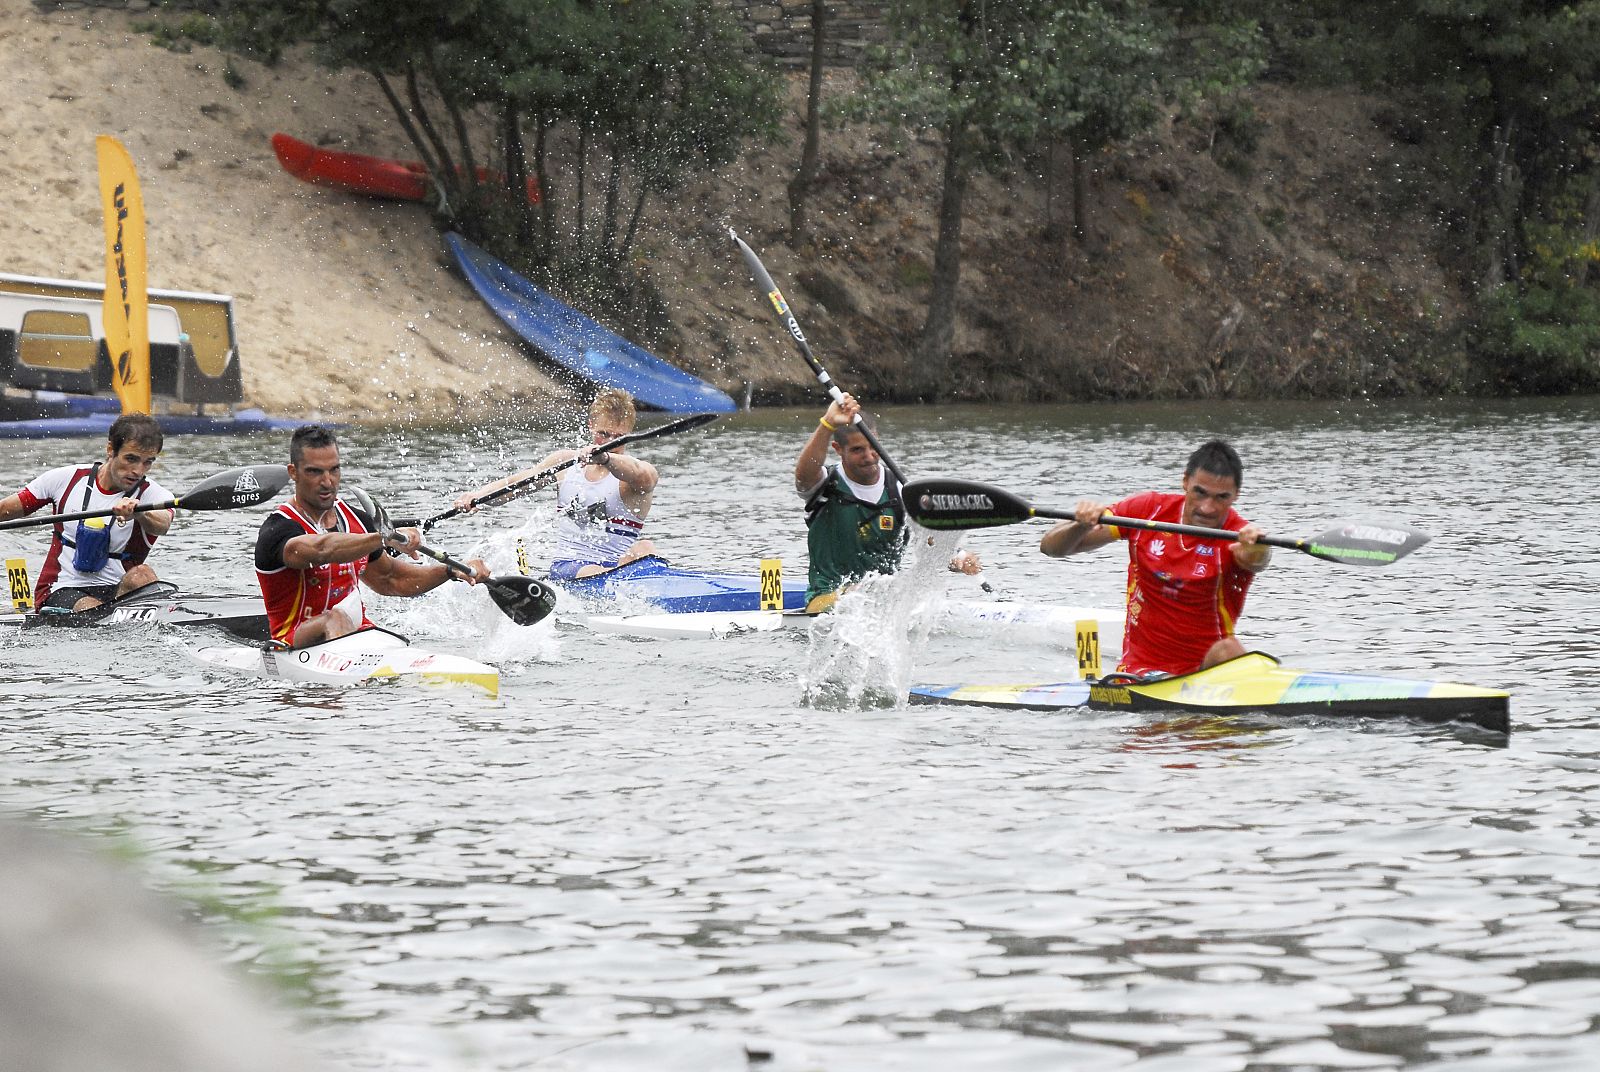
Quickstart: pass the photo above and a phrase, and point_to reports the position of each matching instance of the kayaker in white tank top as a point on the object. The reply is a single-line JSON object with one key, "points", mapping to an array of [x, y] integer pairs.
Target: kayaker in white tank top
{"points": [[593, 524], [609, 494]]}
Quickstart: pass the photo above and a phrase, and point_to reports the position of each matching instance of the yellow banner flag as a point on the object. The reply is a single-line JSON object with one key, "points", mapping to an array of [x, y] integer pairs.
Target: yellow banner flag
{"points": [[126, 312]]}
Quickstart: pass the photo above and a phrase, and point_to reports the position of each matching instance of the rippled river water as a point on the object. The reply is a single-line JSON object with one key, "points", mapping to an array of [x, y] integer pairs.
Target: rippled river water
{"points": [[656, 855]]}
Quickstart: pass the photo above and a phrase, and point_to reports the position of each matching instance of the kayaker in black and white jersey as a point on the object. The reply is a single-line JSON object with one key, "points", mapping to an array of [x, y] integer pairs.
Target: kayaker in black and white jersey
{"points": [[94, 561], [601, 503]]}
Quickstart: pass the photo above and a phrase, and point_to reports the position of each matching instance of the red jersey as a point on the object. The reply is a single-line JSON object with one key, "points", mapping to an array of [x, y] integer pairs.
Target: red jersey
{"points": [[1184, 593], [294, 596]]}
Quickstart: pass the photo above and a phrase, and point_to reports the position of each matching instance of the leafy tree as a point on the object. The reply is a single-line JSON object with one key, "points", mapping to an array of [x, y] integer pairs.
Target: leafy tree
{"points": [[1513, 91], [656, 92], [961, 69], [995, 78], [1094, 88]]}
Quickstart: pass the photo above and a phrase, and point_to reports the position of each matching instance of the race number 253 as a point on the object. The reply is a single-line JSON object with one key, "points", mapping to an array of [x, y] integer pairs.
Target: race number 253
{"points": [[17, 578]]}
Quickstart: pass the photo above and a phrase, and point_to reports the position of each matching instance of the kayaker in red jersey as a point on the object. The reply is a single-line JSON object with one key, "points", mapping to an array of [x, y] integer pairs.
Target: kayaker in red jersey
{"points": [[1185, 593], [313, 551]]}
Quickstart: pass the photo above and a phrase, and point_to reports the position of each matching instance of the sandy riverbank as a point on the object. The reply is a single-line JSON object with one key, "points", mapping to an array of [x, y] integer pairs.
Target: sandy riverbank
{"points": [[344, 306]]}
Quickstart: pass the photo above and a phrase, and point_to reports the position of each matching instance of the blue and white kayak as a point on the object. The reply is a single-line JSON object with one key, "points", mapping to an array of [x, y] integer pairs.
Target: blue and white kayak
{"points": [[651, 584]]}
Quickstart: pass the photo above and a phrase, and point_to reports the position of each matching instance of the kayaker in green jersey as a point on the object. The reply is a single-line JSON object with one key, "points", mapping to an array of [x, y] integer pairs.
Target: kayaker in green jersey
{"points": [[855, 523]]}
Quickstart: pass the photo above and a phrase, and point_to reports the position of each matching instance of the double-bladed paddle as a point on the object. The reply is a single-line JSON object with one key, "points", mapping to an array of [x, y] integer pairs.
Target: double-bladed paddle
{"points": [[792, 326], [244, 486], [534, 481], [522, 599], [944, 503]]}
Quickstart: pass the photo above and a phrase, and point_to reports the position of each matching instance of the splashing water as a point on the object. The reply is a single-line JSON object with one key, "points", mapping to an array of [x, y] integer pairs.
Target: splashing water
{"points": [[460, 612], [865, 660]]}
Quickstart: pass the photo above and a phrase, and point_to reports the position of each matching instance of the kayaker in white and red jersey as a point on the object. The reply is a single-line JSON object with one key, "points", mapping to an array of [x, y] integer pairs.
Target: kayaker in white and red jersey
{"points": [[314, 550], [602, 502], [1185, 593], [104, 557]]}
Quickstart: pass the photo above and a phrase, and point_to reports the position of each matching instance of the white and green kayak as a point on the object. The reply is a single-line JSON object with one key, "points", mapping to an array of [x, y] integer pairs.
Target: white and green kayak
{"points": [[1040, 617]]}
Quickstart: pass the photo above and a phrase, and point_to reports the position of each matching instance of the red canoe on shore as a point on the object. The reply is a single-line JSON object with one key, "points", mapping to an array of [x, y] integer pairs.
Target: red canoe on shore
{"points": [[375, 176]]}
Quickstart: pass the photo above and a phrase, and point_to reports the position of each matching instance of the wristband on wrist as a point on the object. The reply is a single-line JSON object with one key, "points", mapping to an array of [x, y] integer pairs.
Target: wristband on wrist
{"points": [[823, 420]]}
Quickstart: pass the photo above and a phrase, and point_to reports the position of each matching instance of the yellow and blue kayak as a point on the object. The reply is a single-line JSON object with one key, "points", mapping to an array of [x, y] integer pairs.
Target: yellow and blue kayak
{"points": [[1254, 682]]}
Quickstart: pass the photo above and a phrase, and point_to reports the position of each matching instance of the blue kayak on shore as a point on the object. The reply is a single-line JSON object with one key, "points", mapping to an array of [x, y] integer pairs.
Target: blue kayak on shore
{"points": [[580, 344], [651, 581], [98, 424]]}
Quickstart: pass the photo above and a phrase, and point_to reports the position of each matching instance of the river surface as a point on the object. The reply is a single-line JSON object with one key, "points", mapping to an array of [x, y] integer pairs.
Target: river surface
{"points": [[721, 854]]}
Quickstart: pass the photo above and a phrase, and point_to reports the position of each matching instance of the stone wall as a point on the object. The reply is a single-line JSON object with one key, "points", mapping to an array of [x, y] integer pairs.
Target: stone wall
{"points": [[137, 7], [782, 29], [778, 28]]}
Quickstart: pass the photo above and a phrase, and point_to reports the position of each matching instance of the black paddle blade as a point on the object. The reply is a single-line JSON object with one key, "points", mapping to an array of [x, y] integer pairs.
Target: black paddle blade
{"points": [[245, 486], [946, 503], [364, 501], [524, 599], [1365, 543]]}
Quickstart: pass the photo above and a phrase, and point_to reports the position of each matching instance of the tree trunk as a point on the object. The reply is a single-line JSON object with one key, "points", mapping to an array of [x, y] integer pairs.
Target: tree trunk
{"points": [[1501, 225], [1080, 229], [938, 331], [463, 138], [1050, 190], [448, 176], [583, 167], [547, 223], [517, 172], [403, 115], [613, 192], [1591, 228], [633, 222], [800, 185]]}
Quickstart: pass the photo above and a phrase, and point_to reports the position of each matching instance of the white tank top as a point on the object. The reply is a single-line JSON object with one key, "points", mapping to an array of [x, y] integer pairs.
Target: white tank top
{"points": [[593, 523]]}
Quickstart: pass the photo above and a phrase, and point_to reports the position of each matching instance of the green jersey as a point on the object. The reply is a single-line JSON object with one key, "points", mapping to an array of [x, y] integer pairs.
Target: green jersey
{"points": [[848, 538]]}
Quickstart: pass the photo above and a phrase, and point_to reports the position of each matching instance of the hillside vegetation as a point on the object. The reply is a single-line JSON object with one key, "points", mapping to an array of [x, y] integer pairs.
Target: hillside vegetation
{"points": [[1292, 237]]}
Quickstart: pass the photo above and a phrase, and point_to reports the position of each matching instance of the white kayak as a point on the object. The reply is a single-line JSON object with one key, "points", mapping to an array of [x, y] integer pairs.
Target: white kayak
{"points": [[367, 655], [1040, 617]]}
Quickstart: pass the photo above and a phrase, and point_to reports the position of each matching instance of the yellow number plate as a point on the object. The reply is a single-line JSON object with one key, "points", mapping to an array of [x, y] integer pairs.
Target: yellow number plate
{"points": [[1089, 648], [772, 584], [21, 590]]}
